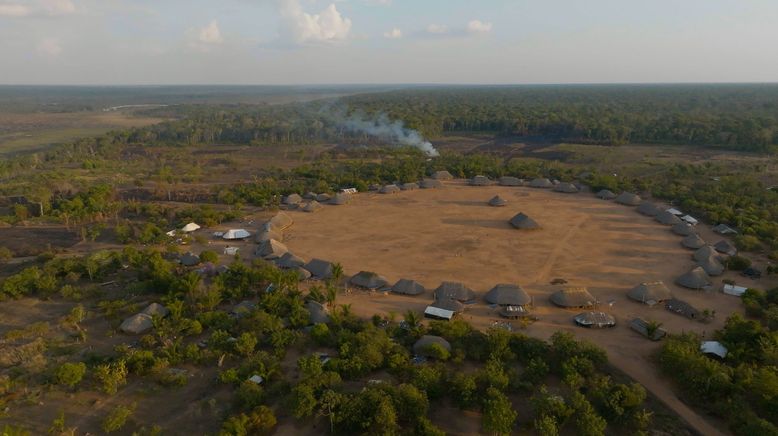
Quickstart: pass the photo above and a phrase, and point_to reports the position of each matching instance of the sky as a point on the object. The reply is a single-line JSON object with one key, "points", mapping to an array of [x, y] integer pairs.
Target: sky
{"points": [[148, 42]]}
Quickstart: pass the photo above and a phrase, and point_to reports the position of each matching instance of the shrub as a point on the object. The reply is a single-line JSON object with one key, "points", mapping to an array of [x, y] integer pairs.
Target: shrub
{"points": [[209, 256], [117, 418], [70, 374], [738, 263]]}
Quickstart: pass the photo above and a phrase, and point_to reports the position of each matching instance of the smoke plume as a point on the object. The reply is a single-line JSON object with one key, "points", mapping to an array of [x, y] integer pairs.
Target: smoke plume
{"points": [[382, 127]]}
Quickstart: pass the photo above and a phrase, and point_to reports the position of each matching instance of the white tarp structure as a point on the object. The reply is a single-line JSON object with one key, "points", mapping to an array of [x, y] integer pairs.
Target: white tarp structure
{"points": [[171, 233], [236, 234], [690, 220], [191, 227], [438, 313], [735, 290], [714, 347], [675, 211], [231, 251]]}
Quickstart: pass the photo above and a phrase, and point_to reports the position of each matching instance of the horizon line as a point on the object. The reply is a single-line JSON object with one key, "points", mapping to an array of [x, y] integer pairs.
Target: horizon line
{"points": [[365, 84]]}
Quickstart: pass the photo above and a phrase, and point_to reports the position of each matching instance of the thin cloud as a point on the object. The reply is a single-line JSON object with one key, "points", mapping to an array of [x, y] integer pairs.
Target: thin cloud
{"points": [[478, 26], [49, 47], [393, 34], [437, 29], [18, 9], [302, 28], [211, 34]]}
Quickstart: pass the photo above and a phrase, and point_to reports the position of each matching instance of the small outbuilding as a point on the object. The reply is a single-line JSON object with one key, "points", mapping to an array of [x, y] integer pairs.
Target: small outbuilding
{"points": [[650, 293], [189, 228], [497, 201], [438, 313], [369, 280], [643, 327], [408, 287], [595, 320], [233, 234], [628, 199], [573, 298], [725, 247], [697, 278], [714, 348], [734, 290], [724, 229], [524, 222]]}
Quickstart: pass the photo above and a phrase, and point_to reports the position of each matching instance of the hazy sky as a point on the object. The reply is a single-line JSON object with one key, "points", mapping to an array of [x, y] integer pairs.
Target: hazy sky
{"points": [[386, 41]]}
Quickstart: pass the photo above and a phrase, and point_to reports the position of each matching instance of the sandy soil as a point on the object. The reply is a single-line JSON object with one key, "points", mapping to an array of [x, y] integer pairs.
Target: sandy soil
{"points": [[451, 234]]}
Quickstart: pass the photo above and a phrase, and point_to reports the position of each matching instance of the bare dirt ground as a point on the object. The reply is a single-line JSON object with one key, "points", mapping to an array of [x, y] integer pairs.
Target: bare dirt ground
{"points": [[452, 234]]}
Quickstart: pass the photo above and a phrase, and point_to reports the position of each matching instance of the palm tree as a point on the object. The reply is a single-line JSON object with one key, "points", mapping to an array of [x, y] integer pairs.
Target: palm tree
{"points": [[652, 327], [337, 272]]}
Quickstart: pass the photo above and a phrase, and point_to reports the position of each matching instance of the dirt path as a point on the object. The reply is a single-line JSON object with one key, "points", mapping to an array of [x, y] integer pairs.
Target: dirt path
{"points": [[545, 270]]}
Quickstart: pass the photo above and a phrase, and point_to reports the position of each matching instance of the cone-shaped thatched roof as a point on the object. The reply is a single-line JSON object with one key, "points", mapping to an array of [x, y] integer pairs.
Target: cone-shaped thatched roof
{"points": [[650, 292], [712, 266], [292, 199], [697, 278], [497, 201], [189, 259], [425, 341], [541, 183], [318, 311], [508, 295], [628, 199], [704, 253], [430, 184], [480, 181], [693, 241], [442, 175], [279, 221], [668, 218], [369, 280], [137, 324], [264, 235], [389, 189], [302, 273], [289, 260], [449, 304], [510, 181], [567, 188], [595, 320], [523, 222], [321, 269], [309, 195], [606, 194], [408, 287], [683, 229], [454, 291], [340, 199], [725, 247], [323, 197], [271, 249], [649, 209], [312, 206], [409, 186], [573, 297]]}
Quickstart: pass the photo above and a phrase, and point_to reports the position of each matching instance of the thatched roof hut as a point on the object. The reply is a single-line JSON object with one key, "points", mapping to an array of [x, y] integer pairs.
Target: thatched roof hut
{"points": [[682, 229], [668, 218], [642, 326], [302, 273], [449, 304], [650, 292], [279, 221], [410, 186], [323, 197], [508, 295], [705, 252], [421, 346], [480, 181], [408, 287], [318, 311], [389, 189], [725, 247], [712, 266], [693, 241], [510, 181], [697, 278], [606, 194], [137, 324], [430, 184], [442, 175], [497, 201], [566, 188], [595, 320], [513, 312], [292, 199], [541, 183], [320, 269], [681, 307], [454, 291], [264, 235], [573, 298], [312, 206], [649, 209], [369, 280], [628, 199], [271, 249], [523, 222], [309, 196], [289, 260]]}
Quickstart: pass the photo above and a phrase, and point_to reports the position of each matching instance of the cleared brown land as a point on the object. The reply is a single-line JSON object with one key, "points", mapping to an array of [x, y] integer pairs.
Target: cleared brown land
{"points": [[452, 234]]}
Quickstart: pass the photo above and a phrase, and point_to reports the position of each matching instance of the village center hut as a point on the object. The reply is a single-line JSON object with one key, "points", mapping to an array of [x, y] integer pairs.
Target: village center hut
{"points": [[389, 189], [189, 228], [292, 199], [189, 259], [318, 311], [712, 266], [605, 194], [320, 269], [628, 199], [510, 181], [725, 247], [642, 326], [323, 197], [523, 222], [480, 181], [410, 186], [566, 188], [508, 295], [454, 291], [430, 184], [422, 346], [449, 305], [693, 241], [309, 196], [682, 229], [541, 183], [369, 280], [267, 234], [705, 253], [697, 278], [668, 218], [233, 234], [271, 249], [650, 293], [442, 175], [289, 260], [312, 206], [280, 221], [497, 201], [649, 209], [408, 287], [340, 199], [573, 298], [137, 324], [595, 320]]}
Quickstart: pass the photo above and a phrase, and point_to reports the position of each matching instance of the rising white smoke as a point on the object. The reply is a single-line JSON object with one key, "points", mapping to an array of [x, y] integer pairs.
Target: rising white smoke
{"points": [[395, 131]]}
